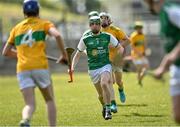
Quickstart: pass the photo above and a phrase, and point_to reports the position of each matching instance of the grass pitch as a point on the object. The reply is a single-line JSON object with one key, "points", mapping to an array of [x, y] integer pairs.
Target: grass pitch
{"points": [[77, 103]]}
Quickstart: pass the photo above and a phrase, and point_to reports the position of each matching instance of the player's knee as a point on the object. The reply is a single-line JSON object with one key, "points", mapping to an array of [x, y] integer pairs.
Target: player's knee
{"points": [[100, 97], [104, 84], [47, 94], [49, 98], [105, 81]]}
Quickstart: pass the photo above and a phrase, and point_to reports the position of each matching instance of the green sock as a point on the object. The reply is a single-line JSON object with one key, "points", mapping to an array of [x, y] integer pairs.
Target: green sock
{"points": [[108, 106], [121, 89], [113, 102]]}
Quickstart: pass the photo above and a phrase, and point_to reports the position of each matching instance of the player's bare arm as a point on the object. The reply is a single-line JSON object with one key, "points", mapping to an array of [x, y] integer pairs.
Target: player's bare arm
{"points": [[126, 41], [120, 49], [167, 61], [80, 51], [76, 59], [54, 32], [9, 51]]}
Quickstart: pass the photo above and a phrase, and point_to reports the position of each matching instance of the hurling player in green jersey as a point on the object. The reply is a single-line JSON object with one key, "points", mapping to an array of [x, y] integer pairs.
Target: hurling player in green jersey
{"points": [[99, 65]]}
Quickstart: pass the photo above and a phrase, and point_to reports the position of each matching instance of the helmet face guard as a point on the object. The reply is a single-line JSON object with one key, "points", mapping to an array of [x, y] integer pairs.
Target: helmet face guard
{"points": [[93, 13], [104, 14], [31, 7], [95, 24], [95, 20], [108, 18]]}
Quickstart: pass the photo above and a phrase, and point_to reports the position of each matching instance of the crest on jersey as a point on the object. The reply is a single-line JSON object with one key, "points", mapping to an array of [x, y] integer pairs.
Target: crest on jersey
{"points": [[97, 40], [94, 52]]}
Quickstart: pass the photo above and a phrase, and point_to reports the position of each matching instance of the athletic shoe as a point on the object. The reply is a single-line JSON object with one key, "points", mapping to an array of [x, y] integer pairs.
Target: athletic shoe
{"points": [[107, 114], [113, 108]]}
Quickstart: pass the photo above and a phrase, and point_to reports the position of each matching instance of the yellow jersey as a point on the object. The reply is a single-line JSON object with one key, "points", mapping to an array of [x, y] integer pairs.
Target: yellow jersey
{"points": [[29, 39], [137, 43], [118, 34]]}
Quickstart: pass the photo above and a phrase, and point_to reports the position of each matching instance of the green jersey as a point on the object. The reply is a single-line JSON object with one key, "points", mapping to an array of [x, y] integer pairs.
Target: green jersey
{"points": [[170, 27], [97, 47]]}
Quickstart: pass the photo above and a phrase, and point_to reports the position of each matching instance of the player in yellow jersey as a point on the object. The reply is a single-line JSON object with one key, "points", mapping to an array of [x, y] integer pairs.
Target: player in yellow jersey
{"points": [[114, 58], [138, 47], [27, 44]]}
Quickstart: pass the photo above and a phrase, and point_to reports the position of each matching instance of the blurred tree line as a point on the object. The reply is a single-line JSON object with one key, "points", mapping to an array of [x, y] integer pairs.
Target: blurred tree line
{"points": [[83, 6], [74, 6], [44, 3]]}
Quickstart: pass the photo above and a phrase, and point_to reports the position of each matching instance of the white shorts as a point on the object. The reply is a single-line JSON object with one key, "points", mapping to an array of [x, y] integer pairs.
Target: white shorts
{"points": [[95, 75], [175, 80], [116, 68], [40, 78], [140, 61]]}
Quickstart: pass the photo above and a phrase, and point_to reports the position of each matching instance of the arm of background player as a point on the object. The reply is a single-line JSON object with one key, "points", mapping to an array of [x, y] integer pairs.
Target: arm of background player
{"points": [[9, 51], [167, 61], [118, 57], [116, 44], [121, 35], [126, 41]]}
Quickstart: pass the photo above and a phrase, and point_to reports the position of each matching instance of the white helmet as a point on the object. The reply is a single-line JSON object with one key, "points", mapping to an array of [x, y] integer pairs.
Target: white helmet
{"points": [[104, 14]]}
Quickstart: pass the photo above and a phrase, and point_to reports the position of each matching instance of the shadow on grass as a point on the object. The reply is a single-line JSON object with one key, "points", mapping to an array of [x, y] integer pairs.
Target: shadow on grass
{"points": [[141, 118], [128, 123], [143, 115], [132, 105]]}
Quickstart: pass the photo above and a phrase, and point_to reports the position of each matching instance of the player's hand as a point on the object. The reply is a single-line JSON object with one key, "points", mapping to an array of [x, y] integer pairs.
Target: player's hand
{"points": [[62, 60], [120, 50], [158, 73]]}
